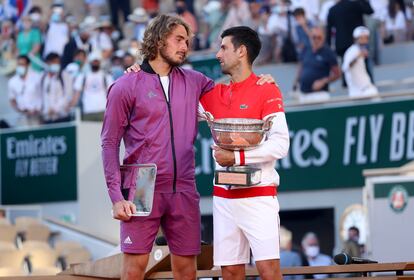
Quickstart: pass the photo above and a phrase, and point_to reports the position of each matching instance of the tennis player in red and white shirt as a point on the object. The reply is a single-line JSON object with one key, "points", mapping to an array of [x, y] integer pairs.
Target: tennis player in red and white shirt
{"points": [[247, 217]]}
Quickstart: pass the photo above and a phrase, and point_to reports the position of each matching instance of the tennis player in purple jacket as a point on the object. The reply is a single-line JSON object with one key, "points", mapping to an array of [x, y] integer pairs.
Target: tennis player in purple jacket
{"points": [[155, 112]]}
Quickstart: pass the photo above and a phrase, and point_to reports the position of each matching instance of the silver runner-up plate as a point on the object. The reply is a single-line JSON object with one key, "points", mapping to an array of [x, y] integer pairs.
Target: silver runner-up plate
{"points": [[140, 180]]}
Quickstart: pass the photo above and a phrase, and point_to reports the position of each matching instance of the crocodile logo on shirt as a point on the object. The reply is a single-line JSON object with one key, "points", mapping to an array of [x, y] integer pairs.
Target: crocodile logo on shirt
{"points": [[244, 106]]}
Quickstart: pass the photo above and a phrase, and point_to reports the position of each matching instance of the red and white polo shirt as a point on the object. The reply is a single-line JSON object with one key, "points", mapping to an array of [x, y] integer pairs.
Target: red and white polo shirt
{"points": [[246, 99]]}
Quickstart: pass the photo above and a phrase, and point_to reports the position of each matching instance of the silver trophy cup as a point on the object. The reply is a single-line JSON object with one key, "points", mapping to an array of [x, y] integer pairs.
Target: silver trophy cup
{"points": [[236, 134]]}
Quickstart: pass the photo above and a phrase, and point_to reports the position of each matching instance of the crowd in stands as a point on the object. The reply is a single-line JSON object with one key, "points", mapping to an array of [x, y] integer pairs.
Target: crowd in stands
{"points": [[59, 61], [309, 252]]}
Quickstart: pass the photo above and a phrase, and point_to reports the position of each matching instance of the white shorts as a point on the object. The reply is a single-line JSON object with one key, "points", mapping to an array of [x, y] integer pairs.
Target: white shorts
{"points": [[244, 223]]}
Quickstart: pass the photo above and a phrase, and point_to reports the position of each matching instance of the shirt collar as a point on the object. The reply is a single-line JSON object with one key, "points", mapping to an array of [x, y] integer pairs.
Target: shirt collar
{"points": [[250, 80]]}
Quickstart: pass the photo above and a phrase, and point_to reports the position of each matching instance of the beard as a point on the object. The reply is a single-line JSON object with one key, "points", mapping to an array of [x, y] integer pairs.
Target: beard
{"points": [[224, 70], [229, 68], [170, 60]]}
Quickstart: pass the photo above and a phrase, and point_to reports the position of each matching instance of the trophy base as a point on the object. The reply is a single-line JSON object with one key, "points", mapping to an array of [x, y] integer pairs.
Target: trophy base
{"points": [[238, 176]]}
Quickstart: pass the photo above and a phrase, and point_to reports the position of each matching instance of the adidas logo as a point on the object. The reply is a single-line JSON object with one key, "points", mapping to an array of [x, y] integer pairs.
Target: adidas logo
{"points": [[127, 240]]}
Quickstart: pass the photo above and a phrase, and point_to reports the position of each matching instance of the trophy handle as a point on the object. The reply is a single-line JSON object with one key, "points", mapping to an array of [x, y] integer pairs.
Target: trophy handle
{"points": [[208, 117], [268, 123]]}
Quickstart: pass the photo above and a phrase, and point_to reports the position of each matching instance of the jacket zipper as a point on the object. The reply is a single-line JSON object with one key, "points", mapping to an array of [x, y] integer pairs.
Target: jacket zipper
{"points": [[171, 130]]}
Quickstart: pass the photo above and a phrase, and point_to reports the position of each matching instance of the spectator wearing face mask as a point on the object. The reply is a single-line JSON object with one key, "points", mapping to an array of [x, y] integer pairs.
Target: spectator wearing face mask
{"points": [[24, 94], [29, 41], [56, 91], [91, 89], [57, 34], [79, 41], [355, 68], [117, 69], [310, 246], [100, 39], [186, 15], [78, 65], [35, 14]]}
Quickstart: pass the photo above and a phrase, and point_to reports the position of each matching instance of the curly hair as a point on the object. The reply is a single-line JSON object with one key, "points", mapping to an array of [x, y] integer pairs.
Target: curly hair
{"points": [[157, 31]]}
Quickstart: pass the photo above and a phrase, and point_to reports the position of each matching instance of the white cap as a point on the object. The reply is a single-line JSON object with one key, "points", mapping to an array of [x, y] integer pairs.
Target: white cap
{"points": [[360, 31], [212, 6], [95, 56], [139, 15], [89, 23]]}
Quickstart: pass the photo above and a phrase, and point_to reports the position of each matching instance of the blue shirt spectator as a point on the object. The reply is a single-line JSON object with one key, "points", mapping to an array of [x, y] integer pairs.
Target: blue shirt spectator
{"points": [[288, 257], [318, 65]]}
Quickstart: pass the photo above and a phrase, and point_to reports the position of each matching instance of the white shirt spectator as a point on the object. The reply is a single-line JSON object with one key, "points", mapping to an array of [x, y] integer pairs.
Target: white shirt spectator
{"points": [[380, 8], [323, 14], [397, 23], [56, 38], [93, 88], [100, 41], [277, 23], [26, 92], [356, 75], [56, 94]]}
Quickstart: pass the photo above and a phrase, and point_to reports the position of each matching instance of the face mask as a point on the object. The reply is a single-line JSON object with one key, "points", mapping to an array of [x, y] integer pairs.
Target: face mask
{"points": [[21, 70], [95, 67], [279, 9], [54, 68], [117, 71], [180, 10], [312, 251], [55, 17], [364, 46], [78, 62], [74, 33], [35, 17]]}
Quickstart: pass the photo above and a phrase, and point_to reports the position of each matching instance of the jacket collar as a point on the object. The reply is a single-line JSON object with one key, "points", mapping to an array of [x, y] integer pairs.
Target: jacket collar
{"points": [[146, 67]]}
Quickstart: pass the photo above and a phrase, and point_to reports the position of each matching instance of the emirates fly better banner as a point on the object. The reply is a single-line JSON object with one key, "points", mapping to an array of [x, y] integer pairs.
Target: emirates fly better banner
{"points": [[38, 165], [331, 146]]}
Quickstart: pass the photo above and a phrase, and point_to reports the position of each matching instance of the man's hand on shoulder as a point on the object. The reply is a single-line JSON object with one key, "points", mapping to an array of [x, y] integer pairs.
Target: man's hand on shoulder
{"points": [[133, 68], [123, 210], [224, 157], [266, 79]]}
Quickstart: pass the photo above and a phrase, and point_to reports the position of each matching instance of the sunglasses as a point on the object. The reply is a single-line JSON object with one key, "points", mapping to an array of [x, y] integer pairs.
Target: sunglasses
{"points": [[317, 37]]}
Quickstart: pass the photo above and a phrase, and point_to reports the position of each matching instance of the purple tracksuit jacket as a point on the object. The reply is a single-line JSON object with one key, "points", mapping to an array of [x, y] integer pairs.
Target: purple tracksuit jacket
{"points": [[154, 130]]}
